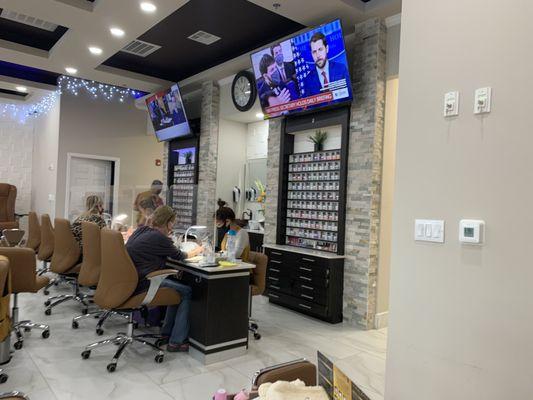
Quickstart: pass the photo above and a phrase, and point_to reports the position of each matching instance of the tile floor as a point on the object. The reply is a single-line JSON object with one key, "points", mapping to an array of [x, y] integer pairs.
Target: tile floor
{"points": [[53, 368]]}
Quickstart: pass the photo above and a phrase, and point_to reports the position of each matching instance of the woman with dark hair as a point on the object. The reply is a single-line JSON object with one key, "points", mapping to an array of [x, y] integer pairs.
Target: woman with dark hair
{"points": [[225, 218]]}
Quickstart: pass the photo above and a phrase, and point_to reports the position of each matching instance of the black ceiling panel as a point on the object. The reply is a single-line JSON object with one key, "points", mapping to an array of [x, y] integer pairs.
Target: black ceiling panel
{"points": [[13, 93], [28, 35], [28, 73], [243, 26]]}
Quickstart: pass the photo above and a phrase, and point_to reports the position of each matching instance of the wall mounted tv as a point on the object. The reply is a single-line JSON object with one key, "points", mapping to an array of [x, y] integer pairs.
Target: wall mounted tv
{"points": [[305, 72], [168, 114]]}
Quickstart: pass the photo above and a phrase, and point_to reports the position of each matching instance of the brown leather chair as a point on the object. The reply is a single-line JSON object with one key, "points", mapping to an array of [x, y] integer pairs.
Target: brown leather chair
{"points": [[8, 196], [12, 237], [14, 396], [24, 279], [5, 290], [34, 232], [46, 248], [65, 263], [90, 272], [257, 285], [115, 291]]}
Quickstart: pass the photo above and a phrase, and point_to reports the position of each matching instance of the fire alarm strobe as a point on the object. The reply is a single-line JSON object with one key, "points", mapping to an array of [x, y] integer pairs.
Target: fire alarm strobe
{"points": [[471, 231]]}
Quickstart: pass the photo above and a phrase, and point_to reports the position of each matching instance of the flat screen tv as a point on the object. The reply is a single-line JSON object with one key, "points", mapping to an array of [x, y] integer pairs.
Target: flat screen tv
{"points": [[305, 72], [168, 114]]}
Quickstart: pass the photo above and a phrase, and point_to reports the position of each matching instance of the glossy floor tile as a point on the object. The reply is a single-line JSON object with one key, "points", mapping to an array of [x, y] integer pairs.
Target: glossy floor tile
{"points": [[53, 369]]}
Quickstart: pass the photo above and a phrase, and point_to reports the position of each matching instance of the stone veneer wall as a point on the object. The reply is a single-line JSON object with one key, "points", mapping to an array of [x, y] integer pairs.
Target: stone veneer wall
{"points": [[365, 162], [207, 157]]}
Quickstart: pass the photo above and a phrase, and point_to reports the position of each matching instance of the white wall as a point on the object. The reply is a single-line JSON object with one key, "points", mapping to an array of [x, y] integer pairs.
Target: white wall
{"points": [[460, 323], [98, 127], [16, 142], [257, 140], [45, 153], [231, 160]]}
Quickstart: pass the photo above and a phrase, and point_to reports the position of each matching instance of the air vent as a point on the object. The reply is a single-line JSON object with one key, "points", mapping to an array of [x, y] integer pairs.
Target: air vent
{"points": [[204, 37], [140, 48], [27, 20]]}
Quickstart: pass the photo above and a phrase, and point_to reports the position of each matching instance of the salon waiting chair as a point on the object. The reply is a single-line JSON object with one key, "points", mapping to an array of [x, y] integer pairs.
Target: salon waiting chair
{"points": [[8, 197], [24, 279], [115, 292], [34, 232], [46, 248], [257, 286], [5, 291]]}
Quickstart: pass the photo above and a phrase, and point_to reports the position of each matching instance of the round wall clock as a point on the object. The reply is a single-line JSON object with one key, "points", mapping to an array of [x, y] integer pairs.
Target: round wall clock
{"points": [[243, 91]]}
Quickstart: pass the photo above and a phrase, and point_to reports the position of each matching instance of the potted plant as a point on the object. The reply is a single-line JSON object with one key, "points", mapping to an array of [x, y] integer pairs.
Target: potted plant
{"points": [[318, 139], [188, 157]]}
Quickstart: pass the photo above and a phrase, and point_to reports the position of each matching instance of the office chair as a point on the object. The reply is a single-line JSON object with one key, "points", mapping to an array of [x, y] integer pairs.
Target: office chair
{"points": [[65, 263], [90, 272], [24, 279], [115, 291], [5, 293], [14, 396], [46, 248], [34, 232], [8, 197], [257, 286]]}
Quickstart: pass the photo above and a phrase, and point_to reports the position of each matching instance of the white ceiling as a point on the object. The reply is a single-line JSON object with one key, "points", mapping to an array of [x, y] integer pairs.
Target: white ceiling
{"points": [[92, 28]]}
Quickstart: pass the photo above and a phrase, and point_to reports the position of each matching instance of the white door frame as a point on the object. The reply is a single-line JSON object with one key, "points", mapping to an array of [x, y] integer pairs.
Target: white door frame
{"points": [[116, 175]]}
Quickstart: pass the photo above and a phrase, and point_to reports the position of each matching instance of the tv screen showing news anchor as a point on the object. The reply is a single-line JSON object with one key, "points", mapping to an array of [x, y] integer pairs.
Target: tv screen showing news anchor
{"points": [[167, 114], [304, 72]]}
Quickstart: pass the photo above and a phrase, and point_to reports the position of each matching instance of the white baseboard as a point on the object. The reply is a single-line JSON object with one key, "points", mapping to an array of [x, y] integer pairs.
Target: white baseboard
{"points": [[381, 320]]}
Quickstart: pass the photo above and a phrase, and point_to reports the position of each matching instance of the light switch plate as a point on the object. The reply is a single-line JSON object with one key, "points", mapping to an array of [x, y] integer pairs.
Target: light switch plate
{"points": [[451, 104], [429, 230], [482, 100]]}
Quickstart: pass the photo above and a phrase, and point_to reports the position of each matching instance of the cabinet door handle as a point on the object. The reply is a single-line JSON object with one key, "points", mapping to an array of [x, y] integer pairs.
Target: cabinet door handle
{"points": [[306, 269], [276, 253], [308, 259], [272, 278], [274, 269], [305, 278], [304, 306], [308, 287], [273, 295], [275, 262], [274, 287], [307, 297]]}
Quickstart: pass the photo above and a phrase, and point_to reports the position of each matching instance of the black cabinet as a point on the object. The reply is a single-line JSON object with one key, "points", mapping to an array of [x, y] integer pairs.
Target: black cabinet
{"points": [[309, 284]]}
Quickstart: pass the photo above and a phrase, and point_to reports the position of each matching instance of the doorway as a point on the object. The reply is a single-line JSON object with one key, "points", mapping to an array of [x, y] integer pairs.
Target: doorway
{"points": [[90, 175]]}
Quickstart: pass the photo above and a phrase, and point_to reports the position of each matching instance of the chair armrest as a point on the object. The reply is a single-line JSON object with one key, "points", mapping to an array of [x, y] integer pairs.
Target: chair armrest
{"points": [[156, 278]]}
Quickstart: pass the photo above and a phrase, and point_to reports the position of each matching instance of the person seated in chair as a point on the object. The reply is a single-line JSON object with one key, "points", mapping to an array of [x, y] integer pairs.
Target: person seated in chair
{"points": [[225, 217], [93, 213], [149, 247]]}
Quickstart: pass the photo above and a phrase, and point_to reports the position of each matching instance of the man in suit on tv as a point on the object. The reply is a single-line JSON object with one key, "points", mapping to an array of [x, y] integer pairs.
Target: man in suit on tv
{"points": [[286, 70], [326, 71]]}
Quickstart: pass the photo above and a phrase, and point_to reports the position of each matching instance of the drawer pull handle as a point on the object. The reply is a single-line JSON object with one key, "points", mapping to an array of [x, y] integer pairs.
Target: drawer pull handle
{"points": [[306, 269], [304, 306], [308, 287], [273, 295], [275, 262], [275, 287], [272, 278], [308, 259], [274, 269], [305, 278], [276, 253], [307, 297]]}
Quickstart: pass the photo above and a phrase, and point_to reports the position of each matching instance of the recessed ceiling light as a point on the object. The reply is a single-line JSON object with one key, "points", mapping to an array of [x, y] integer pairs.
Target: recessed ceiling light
{"points": [[260, 115], [23, 89], [116, 32], [148, 7], [95, 50], [71, 70]]}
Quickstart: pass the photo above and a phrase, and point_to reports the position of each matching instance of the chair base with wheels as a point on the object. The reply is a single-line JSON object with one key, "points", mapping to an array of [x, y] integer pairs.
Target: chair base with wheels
{"points": [[13, 396], [77, 295], [122, 340], [3, 376], [18, 327], [102, 316], [254, 328]]}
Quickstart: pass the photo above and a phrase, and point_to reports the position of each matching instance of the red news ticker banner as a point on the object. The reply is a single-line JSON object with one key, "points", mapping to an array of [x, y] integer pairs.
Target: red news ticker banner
{"points": [[300, 103]]}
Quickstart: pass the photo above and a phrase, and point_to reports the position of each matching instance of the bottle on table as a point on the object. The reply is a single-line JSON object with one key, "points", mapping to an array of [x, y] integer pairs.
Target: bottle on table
{"points": [[231, 244]]}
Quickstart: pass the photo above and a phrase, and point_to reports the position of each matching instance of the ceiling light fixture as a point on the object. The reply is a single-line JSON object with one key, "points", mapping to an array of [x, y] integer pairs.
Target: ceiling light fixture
{"points": [[116, 32], [71, 70], [260, 115], [148, 7], [95, 50], [22, 89]]}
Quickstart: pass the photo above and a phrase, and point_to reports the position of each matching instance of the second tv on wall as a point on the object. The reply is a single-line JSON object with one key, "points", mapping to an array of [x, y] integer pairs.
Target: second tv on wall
{"points": [[304, 72]]}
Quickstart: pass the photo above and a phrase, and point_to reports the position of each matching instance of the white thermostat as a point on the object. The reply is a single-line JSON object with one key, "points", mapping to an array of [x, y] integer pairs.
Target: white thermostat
{"points": [[471, 231]]}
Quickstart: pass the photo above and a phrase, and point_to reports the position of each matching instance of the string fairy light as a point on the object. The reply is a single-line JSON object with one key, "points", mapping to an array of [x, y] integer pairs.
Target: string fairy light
{"points": [[21, 112]]}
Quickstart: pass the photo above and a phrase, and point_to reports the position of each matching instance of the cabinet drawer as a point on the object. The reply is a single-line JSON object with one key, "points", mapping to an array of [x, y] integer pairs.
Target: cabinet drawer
{"points": [[298, 303], [319, 271], [274, 255], [279, 283], [278, 267], [310, 294], [310, 279]]}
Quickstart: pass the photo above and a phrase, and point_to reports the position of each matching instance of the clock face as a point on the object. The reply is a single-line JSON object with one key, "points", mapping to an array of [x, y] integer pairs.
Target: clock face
{"points": [[242, 91]]}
